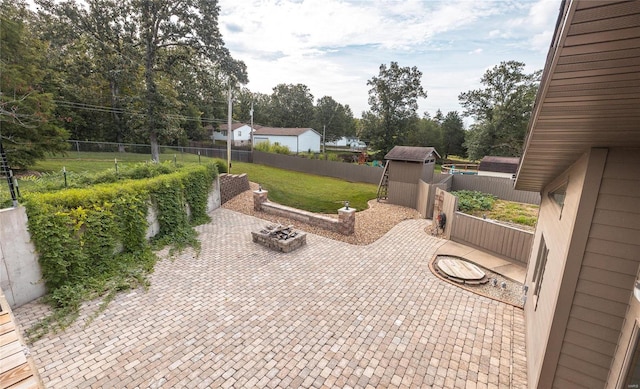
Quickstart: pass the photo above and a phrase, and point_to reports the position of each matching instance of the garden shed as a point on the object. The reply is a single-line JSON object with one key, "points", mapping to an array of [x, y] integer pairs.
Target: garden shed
{"points": [[405, 167], [498, 166]]}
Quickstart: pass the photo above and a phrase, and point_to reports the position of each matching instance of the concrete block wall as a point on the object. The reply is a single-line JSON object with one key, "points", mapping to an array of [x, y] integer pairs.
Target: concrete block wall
{"points": [[232, 185], [20, 275]]}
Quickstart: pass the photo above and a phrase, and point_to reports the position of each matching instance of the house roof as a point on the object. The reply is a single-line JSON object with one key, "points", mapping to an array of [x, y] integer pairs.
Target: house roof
{"points": [[234, 126], [499, 164], [589, 95], [282, 131], [411, 154]]}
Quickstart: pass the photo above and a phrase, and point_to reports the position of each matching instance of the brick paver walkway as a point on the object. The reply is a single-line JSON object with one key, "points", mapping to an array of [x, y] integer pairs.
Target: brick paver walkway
{"points": [[327, 315]]}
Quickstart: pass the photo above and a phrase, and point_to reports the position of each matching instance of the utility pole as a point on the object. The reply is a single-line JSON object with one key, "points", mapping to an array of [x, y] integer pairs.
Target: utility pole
{"points": [[251, 112], [229, 130], [324, 143]]}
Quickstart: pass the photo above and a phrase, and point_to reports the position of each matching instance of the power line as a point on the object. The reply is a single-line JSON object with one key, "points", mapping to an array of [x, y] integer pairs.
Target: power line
{"points": [[105, 109]]}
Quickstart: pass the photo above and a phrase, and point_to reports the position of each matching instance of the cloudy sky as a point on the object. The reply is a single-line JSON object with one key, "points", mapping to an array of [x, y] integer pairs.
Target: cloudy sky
{"points": [[335, 46]]}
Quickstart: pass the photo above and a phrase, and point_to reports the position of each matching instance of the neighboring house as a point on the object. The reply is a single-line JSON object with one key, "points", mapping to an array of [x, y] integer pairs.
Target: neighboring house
{"points": [[298, 140], [241, 133], [347, 141], [498, 166], [582, 153]]}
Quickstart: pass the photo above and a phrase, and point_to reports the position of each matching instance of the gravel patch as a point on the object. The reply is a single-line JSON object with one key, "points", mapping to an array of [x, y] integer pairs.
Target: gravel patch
{"points": [[511, 294], [371, 223]]}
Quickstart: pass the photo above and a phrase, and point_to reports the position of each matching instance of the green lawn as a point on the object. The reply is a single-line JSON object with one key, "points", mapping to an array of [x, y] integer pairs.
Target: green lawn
{"points": [[95, 161], [306, 191]]}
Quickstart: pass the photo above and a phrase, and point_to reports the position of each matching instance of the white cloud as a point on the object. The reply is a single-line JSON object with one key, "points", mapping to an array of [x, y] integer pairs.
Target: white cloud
{"points": [[538, 24], [335, 46]]}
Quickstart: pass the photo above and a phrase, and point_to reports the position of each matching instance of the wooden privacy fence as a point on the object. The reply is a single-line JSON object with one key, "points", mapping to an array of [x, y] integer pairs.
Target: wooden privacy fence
{"points": [[506, 241], [344, 171], [509, 242], [499, 186]]}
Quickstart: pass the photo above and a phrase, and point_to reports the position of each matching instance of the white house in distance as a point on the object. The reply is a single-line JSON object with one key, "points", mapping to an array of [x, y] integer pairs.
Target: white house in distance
{"points": [[498, 166], [348, 141], [241, 133], [296, 139]]}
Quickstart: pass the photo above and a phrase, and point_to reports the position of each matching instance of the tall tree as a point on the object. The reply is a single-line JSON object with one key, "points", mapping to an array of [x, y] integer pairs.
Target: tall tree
{"points": [[333, 118], [501, 110], [291, 106], [93, 48], [166, 24], [28, 127], [453, 133], [393, 99], [425, 132]]}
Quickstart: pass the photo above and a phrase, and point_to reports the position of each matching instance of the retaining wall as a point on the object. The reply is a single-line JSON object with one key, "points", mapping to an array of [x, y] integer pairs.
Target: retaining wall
{"points": [[345, 224], [232, 185]]}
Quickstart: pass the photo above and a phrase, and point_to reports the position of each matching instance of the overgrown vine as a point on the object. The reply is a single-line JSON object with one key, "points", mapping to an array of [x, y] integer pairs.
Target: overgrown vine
{"points": [[92, 241]]}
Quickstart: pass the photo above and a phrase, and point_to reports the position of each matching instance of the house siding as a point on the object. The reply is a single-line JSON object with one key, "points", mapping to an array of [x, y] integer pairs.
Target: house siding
{"points": [[614, 245], [600, 323], [555, 225], [309, 140]]}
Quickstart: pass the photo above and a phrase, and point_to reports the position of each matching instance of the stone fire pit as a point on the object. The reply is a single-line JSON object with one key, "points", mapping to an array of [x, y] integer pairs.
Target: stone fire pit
{"points": [[280, 238]]}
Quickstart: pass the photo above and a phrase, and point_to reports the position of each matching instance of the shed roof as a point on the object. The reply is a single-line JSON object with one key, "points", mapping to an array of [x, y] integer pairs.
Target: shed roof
{"points": [[499, 164], [590, 89], [410, 153], [282, 131]]}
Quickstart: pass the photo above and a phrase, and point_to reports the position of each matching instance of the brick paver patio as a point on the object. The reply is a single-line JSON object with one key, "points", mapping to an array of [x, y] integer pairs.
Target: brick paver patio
{"points": [[327, 315]]}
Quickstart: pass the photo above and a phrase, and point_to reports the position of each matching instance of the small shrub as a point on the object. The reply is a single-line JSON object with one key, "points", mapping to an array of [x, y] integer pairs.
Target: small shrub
{"points": [[471, 201], [275, 148]]}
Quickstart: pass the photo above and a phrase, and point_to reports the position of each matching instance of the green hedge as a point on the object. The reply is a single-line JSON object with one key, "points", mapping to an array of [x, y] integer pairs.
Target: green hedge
{"points": [[91, 241]]}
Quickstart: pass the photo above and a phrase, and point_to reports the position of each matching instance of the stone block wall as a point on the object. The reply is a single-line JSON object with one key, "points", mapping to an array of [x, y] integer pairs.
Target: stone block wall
{"points": [[232, 185], [345, 224]]}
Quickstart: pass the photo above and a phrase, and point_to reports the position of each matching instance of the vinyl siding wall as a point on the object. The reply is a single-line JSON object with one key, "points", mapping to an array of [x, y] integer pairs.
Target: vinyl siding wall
{"points": [[578, 335], [403, 182], [605, 283], [613, 251], [309, 140], [557, 235]]}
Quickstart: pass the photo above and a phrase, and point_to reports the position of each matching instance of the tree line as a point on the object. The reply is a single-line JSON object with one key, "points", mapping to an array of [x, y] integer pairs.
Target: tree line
{"points": [[500, 112], [158, 72]]}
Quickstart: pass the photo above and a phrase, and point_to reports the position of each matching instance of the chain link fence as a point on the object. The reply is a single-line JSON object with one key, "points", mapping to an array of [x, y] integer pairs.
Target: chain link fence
{"points": [[179, 153]]}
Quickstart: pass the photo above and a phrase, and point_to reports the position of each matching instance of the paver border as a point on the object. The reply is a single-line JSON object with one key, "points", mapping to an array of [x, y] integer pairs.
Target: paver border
{"points": [[475, 291]]}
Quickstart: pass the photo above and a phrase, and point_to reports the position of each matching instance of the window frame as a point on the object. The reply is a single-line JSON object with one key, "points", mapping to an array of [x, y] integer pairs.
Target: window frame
{"points": [[550, 194], [538, 273]]}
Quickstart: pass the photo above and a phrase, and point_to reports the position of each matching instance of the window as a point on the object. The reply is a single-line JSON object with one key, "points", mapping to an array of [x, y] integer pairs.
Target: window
{"points": [[558, 195], [538, 274], [239, 133], [631, 369]]}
